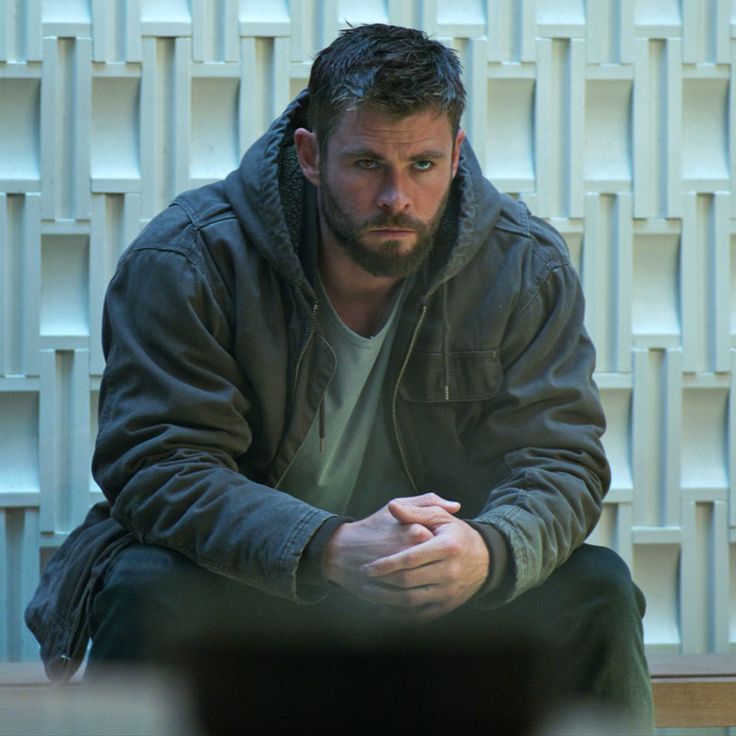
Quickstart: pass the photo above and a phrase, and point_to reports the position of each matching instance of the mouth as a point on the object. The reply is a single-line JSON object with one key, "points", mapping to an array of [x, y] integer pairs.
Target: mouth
{"points": [[392, 232]]}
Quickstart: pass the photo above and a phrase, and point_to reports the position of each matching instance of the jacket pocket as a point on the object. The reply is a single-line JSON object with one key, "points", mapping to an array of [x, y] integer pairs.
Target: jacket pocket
{"points": [[468, 375]]}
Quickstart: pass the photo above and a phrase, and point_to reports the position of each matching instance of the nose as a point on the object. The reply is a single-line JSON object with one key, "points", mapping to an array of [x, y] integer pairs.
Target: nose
{"points": [[394, 195]]}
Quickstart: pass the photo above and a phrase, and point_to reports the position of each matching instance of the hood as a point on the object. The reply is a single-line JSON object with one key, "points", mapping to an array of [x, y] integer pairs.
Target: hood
{"points": [[268, 193]]}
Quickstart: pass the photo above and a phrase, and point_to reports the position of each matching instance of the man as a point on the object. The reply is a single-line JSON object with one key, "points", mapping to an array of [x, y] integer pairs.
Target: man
{"points": [[352, 368]]}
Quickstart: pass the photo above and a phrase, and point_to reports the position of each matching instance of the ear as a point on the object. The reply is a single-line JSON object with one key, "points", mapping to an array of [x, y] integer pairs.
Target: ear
{"points": [[307, 152], [459, 138]]}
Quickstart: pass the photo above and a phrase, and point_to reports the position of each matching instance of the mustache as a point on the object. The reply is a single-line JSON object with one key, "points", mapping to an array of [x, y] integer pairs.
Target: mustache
{"points": [[400, 222]]}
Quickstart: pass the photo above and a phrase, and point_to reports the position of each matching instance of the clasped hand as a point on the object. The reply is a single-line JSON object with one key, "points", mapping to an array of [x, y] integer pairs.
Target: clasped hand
{"points": [[413, 556]]}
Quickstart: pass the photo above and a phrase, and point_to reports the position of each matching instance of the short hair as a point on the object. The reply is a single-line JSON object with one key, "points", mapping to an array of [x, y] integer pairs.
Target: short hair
{"points": [[397, 71]]}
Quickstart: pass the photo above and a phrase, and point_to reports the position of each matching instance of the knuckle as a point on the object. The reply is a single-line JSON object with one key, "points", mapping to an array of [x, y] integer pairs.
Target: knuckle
{"points": [[413, 559], [418, 533], [454, 548]]}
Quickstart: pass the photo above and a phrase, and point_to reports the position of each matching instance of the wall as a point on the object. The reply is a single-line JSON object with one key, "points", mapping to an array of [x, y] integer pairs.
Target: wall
{"points": [[612, 118]]}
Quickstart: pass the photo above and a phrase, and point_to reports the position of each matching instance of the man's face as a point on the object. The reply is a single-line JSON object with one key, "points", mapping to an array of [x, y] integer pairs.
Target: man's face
{"points": [[383, 186]]}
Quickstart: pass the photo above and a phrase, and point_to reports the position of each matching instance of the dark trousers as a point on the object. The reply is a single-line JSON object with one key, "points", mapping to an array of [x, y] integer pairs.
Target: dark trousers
{"points": [[577, 638]]}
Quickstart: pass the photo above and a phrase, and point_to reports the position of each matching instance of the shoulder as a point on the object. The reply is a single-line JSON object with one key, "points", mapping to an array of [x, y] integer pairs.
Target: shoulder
{"points": [[192, 250], [198, 232], [503, 227], [535, 237], [180, 227], [521, 255]]}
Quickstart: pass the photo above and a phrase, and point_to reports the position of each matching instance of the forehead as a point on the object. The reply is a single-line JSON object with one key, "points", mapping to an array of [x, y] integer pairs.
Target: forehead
{"points": [[369, 129]]}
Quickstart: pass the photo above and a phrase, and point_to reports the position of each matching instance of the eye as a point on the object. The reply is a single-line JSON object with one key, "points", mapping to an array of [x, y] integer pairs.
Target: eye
{"points": [[423, 165], [367, 164]]}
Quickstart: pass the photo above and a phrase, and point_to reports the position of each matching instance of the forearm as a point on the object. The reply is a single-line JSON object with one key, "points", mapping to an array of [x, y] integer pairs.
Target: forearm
{"points": [[543, 514], [222, 521], [550, 473]]}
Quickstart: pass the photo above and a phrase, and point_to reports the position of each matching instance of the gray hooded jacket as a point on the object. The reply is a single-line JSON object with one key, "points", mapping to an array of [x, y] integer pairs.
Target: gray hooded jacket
{"points": [[216, 368]]}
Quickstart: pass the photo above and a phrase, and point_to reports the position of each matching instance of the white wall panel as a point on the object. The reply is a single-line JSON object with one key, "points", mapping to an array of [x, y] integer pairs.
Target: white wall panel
{"points": [[20, 164], [657, 123], [505, 129], [20, 263], [115, 154], [613, 119]]}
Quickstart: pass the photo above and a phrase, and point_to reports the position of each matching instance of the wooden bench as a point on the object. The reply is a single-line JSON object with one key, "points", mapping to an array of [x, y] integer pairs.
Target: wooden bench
{"points": [[694, 690]]}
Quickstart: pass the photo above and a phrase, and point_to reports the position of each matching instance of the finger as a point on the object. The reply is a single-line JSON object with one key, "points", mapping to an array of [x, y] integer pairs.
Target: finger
{"points": [[402, 598], [416, 534], [435, 573], [430, 499], [425, 515], [433, 550]]}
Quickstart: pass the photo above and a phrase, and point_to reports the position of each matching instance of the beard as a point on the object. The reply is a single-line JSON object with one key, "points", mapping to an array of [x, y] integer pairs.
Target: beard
{"points": [[387, 258]]}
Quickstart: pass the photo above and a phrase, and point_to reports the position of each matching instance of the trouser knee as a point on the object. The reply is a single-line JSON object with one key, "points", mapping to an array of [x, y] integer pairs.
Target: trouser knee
{"points": [[590, 604], [596, 575], [603, 579], [149, 595]]}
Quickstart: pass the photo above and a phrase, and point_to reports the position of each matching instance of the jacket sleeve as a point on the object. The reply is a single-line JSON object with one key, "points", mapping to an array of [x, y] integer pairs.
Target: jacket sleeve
{"points": [[174, 413], [550, 471]]}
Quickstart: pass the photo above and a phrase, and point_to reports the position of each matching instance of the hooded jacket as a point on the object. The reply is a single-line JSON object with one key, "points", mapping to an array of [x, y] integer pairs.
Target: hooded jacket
{"points": [[216, 369]]}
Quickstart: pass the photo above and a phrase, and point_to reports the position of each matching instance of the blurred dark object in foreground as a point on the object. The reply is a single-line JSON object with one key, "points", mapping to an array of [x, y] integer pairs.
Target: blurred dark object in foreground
{"points": [[360, 674]]}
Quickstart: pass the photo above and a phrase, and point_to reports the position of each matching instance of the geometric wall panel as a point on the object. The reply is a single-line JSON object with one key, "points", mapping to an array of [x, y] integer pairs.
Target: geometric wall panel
{"points": [[19, 574], [656, 320], [704, 458], [64, 435], [64, 285], [19, 447], [115, 144], [608, 138], [617, 440], [656, 571], [214, 139], [509, 139], [20, 164], [614, 120], [705, 150], [20, 260]]}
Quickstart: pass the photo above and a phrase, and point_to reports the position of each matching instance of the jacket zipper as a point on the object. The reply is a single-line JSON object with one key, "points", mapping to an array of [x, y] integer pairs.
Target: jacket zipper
{"points": [[402, 370], [303, 353]]}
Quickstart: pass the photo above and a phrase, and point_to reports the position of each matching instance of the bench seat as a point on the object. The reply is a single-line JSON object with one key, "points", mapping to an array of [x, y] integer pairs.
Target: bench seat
{"points": [[694, 690]]}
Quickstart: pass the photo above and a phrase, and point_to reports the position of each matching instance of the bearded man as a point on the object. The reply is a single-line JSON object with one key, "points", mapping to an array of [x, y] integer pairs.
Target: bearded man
{"points": [[352, 370]]}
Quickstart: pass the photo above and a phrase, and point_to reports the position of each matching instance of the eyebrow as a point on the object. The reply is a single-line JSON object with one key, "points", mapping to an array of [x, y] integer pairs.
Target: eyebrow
{"points": [[431, 154]]}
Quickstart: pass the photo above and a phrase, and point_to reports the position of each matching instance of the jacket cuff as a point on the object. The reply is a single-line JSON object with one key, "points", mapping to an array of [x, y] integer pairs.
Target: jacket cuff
{"points": [[309, 573], [500, 572]]}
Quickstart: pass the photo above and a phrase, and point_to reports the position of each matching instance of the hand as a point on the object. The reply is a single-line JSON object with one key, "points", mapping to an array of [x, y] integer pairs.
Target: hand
{"points": [[380, 535], [432, 578]]}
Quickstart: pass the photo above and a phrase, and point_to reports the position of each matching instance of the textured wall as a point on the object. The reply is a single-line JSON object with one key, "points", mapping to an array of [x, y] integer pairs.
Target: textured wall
{"points": [[612, 118]]}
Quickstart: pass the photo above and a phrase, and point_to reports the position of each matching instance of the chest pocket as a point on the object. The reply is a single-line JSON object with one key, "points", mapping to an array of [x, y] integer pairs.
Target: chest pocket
{"points": [[472, 375]]}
